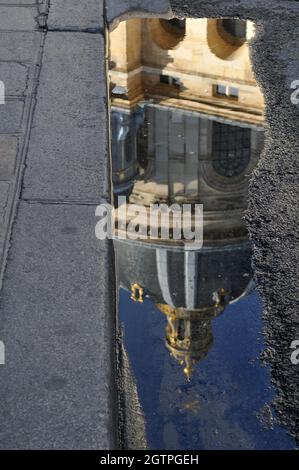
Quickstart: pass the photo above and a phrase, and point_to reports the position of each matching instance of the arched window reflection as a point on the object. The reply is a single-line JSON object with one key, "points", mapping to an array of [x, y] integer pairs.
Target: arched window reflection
{"points": [[174, 26], [235, 27], [230, 149]]}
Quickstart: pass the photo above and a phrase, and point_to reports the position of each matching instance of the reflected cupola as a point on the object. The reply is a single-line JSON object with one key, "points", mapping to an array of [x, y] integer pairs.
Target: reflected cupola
{"points": [[190, 288]]}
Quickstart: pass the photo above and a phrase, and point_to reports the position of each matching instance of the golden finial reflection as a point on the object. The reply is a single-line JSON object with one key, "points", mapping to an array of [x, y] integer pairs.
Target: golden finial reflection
{"points": [[188, 333], [137, 293]]}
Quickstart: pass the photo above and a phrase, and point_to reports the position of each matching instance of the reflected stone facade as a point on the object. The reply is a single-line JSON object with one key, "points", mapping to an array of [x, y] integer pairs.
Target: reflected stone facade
{"points": [[168, 155], [173, 155], [199, 64]]}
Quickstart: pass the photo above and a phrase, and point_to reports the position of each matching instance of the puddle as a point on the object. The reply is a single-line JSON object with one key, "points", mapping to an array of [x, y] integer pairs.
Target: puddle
{"points": [[187, 129]]}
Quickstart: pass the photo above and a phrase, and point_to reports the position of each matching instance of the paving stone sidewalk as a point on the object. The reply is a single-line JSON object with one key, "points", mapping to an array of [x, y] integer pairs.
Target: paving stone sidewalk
{"points": [[57, 301]]}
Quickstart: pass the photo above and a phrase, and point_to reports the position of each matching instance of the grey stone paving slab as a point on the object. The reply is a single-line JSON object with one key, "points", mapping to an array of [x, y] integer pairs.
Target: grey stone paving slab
{"points": [[18, 18], [15, 78], [2, 242], [68, 141], [19, 46], [8, 155], [11, 114], [4, 192], [57, 389], [6, 199], [75, 15], [21, 2]]}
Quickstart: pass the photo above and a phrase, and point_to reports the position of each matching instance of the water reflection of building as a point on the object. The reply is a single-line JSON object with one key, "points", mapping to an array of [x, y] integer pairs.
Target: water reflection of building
{"points": [[177, 158], [196, 141]]}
